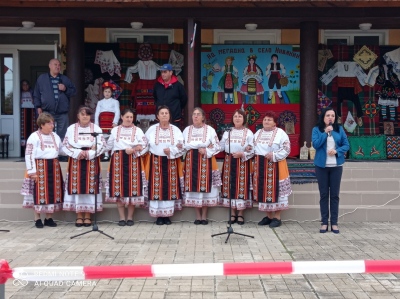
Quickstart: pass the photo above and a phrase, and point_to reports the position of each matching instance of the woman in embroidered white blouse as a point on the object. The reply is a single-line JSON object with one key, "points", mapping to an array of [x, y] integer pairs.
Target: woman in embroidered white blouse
{"points": [[271, 182], [43, 184]]}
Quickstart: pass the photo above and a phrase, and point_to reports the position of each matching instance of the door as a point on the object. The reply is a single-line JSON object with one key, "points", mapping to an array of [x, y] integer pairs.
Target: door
{"points": [[9, 99]]}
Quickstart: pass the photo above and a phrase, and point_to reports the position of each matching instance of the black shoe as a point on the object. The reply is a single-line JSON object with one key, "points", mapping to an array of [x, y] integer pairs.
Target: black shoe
{"points": [[130, 223], [77, 224], [240, 222], [232, 221], [265, 221], [167, 221], [335, 231], [122, 223], [323, 231], [204, 222], [105, 159], [160, 221], [85, 224], [39, 223], [275, 223], [50, 222], [197, 222]]}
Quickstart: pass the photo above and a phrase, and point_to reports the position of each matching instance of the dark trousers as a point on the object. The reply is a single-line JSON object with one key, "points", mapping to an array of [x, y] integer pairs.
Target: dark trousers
{"points": [[347, 93], [61, 121], [329, 188]]}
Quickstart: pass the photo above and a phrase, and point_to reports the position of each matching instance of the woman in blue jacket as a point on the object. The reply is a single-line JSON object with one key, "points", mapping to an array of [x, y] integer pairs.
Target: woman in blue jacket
{"points": [[331, 144]]}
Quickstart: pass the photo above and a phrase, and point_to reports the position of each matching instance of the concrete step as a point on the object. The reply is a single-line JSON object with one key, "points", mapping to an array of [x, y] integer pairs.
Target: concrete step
{"points": [[370, 191]]}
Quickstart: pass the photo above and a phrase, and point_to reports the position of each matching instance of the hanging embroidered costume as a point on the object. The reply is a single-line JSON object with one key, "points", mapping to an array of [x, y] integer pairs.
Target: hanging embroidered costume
{"points": [[236, 171], [388, 93], [271, 181], [164, 173], [108, 62], [41, 157], [126, 180], [94, 93], [350, 79], [80, 185], [142, 90], [202, 176]]}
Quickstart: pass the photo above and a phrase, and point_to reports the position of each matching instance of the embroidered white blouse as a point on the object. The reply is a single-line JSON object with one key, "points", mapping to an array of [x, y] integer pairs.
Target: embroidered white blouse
{"points": [[147, 70], [41, 146], [74, 141], [122, 138], [205, 136], [158, 139], [240, 139], [275, 141], [108, 105]]}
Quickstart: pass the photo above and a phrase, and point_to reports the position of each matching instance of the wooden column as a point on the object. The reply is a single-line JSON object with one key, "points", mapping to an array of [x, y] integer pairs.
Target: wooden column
{"points": [[308, 79], [76, 63], [192, 68]]}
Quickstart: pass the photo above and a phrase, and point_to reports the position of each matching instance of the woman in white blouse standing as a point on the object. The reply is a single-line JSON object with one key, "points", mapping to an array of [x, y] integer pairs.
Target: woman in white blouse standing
{"points": [[165, 173], [271, 182], [125, 182], [202, 176], [43, 185], [83, 178], [239, 149]]}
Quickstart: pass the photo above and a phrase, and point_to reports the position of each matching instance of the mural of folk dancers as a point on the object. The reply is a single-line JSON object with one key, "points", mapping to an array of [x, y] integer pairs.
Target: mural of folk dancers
{"points": [[275, 70], [252, 80], [229, 80]]}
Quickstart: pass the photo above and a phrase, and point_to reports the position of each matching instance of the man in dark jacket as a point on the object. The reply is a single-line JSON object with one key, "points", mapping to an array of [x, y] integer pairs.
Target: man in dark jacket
{"points": [[52, 94], [170, 92]]}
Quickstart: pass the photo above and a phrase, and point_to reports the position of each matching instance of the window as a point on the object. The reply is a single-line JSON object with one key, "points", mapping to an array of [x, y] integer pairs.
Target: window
{"points": [[245, 37], [152, 36], [354, 37]]}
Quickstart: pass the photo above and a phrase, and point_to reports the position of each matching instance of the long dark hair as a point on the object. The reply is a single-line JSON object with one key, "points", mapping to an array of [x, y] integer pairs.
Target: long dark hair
{"points": [[125, 111], [321, 124]]}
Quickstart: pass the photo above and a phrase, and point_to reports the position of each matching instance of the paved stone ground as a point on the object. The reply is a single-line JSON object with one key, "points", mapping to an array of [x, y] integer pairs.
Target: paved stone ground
{"points": [[147, 243]]}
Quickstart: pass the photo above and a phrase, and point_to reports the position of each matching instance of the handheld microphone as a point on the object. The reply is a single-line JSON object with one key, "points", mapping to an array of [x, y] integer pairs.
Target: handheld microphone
{"points": [[329, 133]]}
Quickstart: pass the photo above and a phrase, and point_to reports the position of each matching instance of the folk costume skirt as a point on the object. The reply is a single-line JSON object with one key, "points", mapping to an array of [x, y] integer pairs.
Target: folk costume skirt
{"points": [[165, 186], [45, 196], [236, 183], [271, 184], [125, 179], [202, 180], [82, 183]]}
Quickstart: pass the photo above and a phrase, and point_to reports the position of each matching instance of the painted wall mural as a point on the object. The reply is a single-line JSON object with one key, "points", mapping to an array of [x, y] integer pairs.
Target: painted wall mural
{"points": [[256, 78], [250, 74]]}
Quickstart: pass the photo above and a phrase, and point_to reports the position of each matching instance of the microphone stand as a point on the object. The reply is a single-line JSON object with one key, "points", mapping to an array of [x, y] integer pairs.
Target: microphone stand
{"points": [[95, 228], [230, 228]]}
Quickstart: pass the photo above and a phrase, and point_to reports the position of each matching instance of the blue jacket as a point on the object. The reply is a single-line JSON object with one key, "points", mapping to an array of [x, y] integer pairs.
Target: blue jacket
{"points": [[319, 143], [43, 95]]}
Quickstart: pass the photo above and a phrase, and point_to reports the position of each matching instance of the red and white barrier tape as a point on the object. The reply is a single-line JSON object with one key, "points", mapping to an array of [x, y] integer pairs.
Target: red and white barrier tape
{"points": [[208, 269]]}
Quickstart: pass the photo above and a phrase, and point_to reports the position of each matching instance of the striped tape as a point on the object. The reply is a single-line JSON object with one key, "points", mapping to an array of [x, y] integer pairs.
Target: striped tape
{"points": [[207, 269]]}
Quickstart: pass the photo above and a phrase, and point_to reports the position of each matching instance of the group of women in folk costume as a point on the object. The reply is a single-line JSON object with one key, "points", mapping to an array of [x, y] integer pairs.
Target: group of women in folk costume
{"points": [[149, 166]]}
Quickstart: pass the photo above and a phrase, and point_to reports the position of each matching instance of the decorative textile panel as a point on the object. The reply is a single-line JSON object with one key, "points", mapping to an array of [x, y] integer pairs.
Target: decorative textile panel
{"points": [[364, 55], [367, 147], [393, 147]]}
